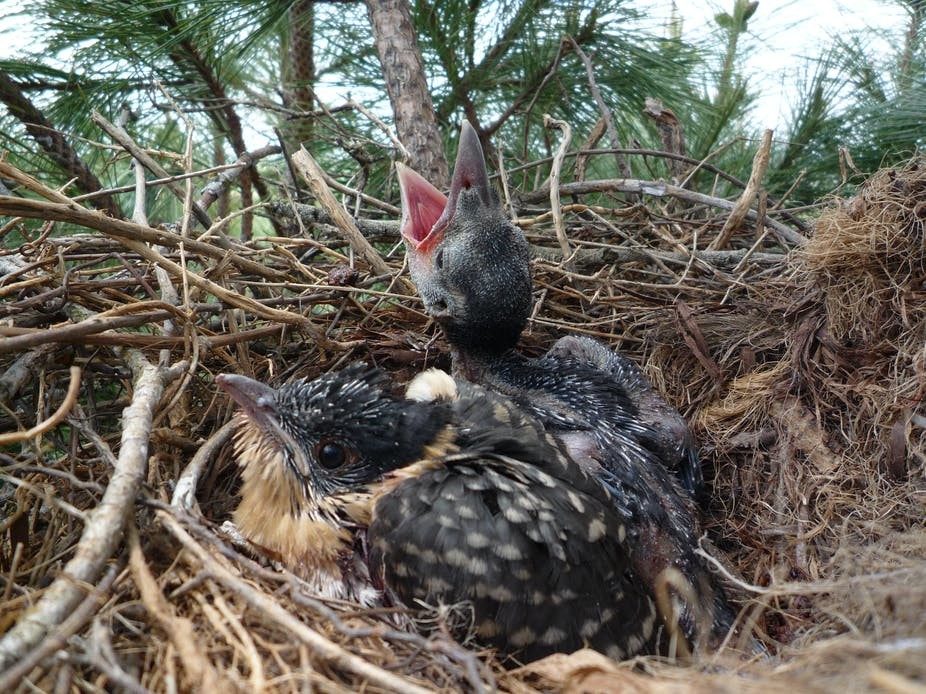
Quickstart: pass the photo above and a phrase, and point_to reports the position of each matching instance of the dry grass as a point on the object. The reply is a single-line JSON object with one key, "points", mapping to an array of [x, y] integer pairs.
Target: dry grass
{"points": [[801, 368]]}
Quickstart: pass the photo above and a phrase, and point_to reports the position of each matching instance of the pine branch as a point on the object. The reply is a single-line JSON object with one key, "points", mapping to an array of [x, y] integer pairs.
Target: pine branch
{"points": [[54, 144], [187, 54], [507, 40]]}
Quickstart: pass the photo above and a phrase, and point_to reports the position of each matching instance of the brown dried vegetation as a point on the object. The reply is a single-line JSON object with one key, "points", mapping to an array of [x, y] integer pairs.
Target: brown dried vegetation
{"points": [[800, 364]]}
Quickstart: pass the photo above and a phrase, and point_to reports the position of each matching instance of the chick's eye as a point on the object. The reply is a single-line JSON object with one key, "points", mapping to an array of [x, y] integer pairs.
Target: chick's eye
{"points": [[330, 455], [439, 259]]}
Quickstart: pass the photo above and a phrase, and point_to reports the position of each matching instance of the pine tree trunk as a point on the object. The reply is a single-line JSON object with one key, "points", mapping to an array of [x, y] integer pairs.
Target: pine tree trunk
{"points": [[403, 68], [300, 70]]}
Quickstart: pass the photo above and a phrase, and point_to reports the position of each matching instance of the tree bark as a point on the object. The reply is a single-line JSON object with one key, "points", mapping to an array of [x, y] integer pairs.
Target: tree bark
{"points": [[403, 69], [300, 70], [54, 144]]}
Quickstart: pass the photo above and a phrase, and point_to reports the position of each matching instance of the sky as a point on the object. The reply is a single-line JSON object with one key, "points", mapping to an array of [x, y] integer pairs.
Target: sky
{"points": [[781, 34]]}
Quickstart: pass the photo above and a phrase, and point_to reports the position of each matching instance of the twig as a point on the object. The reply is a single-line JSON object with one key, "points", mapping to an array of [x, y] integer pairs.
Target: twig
{"points": [[66, 211], [271, 609], [22, 338], [119, 135], [230, 297], [309, 214], [99, 653], [441, 644], [58, 639], [659, 189], [213, 190], [184, 496], [555, 172], [622, 164], [202, 675], [53, 142], [154, 182], [54, 420], [403, 152], [313, 174], [21, 370], [743, 205], [46, 495]]}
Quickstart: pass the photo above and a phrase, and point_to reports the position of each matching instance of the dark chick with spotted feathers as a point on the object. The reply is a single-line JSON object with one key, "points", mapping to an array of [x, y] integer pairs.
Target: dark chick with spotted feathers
{"points": [[454, 496], [471, 267]]}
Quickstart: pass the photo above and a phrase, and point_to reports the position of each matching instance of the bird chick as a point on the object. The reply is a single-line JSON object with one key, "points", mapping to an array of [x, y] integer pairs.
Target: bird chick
{"points": [[471, 268], [665, 431], [306, 451], [454, 497]]}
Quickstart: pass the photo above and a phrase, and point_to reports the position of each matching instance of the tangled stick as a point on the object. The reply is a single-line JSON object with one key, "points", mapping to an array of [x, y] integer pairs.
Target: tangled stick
{"points": [[54, 420]]}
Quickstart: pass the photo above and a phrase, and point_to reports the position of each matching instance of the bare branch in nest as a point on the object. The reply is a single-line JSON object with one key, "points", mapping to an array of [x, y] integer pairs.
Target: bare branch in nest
{"points": [[743, 205], [555, 172], [310, 214], [95, 331], [103, 532], [312, 172], [67, 211], [660, 189], [213, 190], [21, 371], [185, 492], [129, 233], [98, 653], [202, 675], [596, 257], [57, 640], [118, 134]]}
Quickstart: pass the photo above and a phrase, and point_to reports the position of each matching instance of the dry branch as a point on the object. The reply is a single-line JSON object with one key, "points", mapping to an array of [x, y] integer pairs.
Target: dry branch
{"points": [[622, 164], [120, 229], [743, 205], [659, 189], [74, 622], [119, 135], [315, 177], [555, 172], [184, 497], [41, 427], [200, 673], [21, 371]]}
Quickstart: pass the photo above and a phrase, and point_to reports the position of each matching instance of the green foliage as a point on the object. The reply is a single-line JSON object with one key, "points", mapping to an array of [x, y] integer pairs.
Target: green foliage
{"points": [[103, 56]]}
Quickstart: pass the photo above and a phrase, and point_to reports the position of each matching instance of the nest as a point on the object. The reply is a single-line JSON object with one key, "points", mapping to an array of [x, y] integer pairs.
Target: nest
{"points": [[799, 360]]}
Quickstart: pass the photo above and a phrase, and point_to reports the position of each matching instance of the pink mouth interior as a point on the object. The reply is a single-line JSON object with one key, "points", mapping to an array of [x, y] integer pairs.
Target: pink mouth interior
{"points": [[426, 212], [422, 206]]}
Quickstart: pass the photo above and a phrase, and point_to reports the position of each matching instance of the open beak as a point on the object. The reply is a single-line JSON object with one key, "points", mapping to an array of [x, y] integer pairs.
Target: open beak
{"points": [[426, 212], [422, 206]]}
